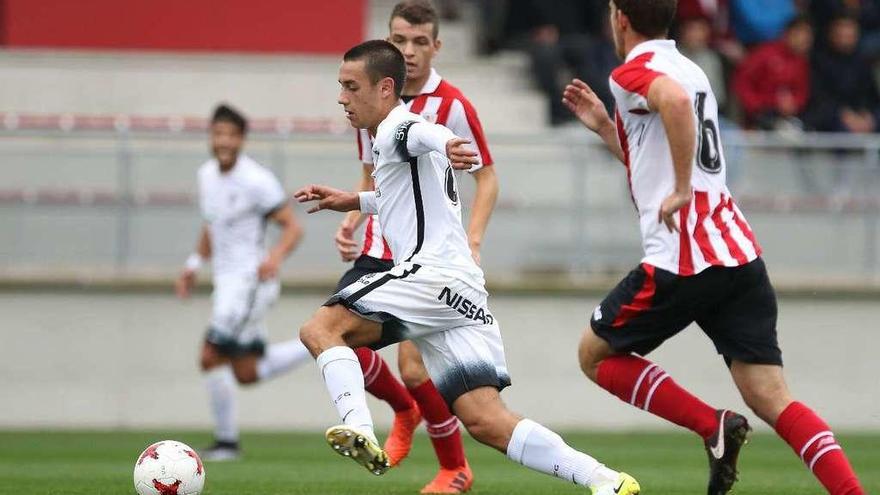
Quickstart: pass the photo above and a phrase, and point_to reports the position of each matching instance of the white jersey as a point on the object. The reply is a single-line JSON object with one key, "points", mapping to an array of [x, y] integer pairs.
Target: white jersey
{"points": [[416, 196], [236, 205], [713, 230], [441, 103]]}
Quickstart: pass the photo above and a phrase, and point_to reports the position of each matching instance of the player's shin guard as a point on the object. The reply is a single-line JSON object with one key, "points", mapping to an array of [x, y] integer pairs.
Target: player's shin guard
{"points": [[282, 357], [538, 448], [221, 385], [380, 382], [645, 385], [442, 426], [345, 383], [813, 441]]}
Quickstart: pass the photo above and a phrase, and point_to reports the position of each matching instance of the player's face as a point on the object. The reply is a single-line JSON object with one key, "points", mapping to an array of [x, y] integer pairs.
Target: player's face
{"points": [[359, 96], [226, 142], [417, 43]]}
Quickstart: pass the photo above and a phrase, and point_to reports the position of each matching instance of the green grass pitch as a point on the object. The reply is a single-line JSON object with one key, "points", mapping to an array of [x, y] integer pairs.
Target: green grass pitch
{"points": [[98, 463]]}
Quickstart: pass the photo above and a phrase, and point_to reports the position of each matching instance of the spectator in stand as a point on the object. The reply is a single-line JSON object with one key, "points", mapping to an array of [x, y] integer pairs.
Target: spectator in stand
{"points": [[867, 12], [561, 38], [773, 82], [759, 21], [694, 35], [717, 13], [845, 96]]}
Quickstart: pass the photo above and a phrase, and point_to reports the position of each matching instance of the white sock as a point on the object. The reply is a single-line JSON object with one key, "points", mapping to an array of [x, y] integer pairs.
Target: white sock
{"points": [[282, 357], [345, 382], [538, 448], [221, 386]]}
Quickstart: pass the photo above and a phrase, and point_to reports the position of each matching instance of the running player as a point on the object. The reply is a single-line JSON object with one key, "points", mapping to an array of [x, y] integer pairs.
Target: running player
{"points": [[237, 197], [414, 26], [701, 262], [435, 293]]}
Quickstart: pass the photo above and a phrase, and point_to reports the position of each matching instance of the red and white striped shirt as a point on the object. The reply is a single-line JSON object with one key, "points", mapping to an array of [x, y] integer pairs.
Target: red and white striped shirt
{"points": [[441, 103], [714, 231]]}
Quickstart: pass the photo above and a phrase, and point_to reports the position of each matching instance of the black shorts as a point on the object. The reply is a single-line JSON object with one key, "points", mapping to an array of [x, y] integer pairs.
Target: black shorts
{"points": [[231, 348], [735, 307], [364, 265]]}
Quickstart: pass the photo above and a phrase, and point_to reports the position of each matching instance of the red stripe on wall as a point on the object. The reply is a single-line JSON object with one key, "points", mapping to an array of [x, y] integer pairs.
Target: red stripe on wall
{"points": [[293, 26]]}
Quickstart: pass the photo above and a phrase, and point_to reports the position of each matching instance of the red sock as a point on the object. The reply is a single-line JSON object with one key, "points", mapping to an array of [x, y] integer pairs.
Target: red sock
{"points": [[379, 381], [442, 425], [646, 386], [814, 442]]}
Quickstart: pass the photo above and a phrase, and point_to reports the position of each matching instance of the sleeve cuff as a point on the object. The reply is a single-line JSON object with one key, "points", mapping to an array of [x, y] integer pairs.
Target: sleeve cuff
{"points": [[367, 201]]}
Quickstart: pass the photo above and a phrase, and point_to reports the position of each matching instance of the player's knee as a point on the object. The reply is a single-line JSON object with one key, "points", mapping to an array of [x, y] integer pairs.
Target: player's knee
{"points": [[490, 429], [766, 399], [413, 374], [209, 359], [480, 426], [245, 376], [310, 334], [588, 360]]}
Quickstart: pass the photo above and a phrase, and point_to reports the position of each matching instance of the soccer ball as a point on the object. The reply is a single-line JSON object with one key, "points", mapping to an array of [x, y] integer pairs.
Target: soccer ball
{"points": [[169, 468]]}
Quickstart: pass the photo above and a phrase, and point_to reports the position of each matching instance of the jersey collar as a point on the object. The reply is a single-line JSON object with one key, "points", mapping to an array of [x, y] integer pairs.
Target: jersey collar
{"points": [[649, 46], [432, 83]]}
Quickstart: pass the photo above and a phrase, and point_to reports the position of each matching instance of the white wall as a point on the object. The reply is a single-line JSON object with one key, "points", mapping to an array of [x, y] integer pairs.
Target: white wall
{"points": [[87, 360]]}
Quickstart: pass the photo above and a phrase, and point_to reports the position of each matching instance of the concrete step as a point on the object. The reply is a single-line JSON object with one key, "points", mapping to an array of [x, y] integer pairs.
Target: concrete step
{"points": [[264, 86]]}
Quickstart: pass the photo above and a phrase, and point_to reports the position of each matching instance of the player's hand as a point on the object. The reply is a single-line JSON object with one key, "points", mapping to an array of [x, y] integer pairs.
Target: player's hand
{"points": [[460, 156], [184, 284], [585, 105], [269, 268], [670, 207], [475, 253], [345, 243], [327, 198]]}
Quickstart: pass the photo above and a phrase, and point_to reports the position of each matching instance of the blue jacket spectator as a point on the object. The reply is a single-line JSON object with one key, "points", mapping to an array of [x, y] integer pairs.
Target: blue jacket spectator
{"points": [[757, 21]]}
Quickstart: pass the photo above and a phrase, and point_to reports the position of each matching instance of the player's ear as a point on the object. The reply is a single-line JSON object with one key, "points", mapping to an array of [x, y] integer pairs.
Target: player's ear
{"points": [[621, 19], [437, 45], [386, 87]]}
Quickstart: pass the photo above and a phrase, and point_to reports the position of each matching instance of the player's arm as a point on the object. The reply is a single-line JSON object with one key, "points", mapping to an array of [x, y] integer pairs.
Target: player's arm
{"points": [[484, 203], [463, 121], [187, 278], [291, 234], [589, 109], [329, 198], [423, 137], [345, 243], [669, 99]]}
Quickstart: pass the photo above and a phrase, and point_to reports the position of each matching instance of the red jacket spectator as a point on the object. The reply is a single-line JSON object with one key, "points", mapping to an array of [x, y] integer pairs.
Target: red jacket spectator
{"points": [[716, 11], [774, 80]]}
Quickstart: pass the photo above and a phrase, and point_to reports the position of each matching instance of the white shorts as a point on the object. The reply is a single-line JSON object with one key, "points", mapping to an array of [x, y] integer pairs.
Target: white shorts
{"points": [[447, 319], [240, 304]]}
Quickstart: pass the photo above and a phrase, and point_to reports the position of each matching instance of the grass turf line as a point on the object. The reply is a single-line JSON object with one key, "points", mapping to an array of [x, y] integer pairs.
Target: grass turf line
{"points": [[99, 463]]}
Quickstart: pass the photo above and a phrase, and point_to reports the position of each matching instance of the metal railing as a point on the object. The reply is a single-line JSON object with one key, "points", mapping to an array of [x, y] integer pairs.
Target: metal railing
{"points": [[117, 199]]}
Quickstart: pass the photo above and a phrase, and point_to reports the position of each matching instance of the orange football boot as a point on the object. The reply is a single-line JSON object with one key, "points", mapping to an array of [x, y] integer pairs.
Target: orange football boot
{"points": [[457, 480], [400, 439]]}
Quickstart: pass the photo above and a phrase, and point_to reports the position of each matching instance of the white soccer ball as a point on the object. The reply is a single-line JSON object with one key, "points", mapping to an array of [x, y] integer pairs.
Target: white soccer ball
{"points": [[169, 468]]}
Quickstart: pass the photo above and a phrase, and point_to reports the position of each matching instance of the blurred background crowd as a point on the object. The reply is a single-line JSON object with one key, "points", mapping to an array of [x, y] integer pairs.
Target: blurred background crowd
{"points": [[778, 64]]}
